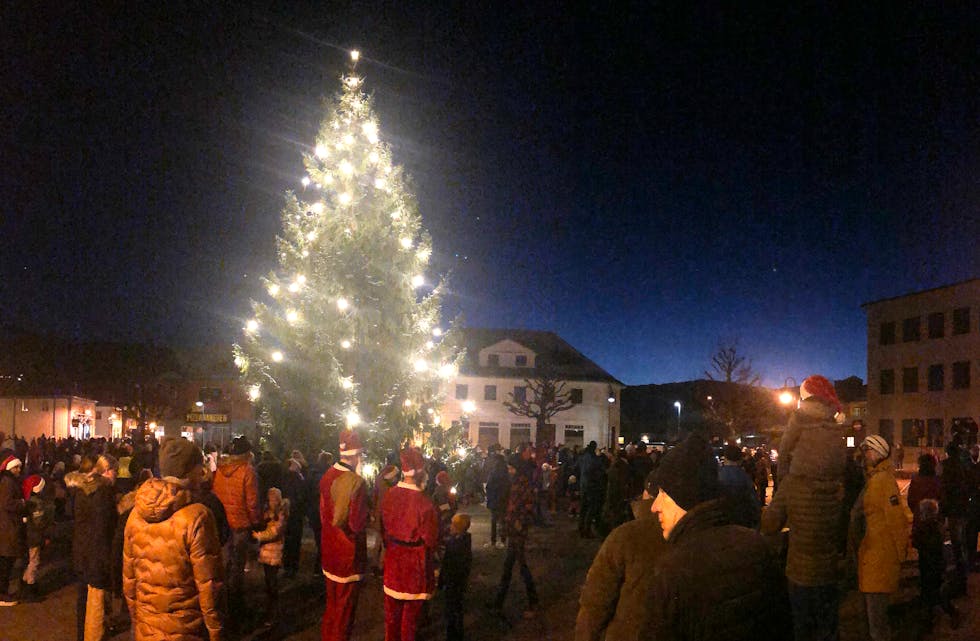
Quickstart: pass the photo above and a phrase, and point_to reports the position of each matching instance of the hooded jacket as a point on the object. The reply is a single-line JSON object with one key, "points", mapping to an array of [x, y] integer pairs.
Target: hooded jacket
{"points": [[236, 485], [813, 444], [884, 519], [716, 581], [95, 523], [619, 585], [172, 569], [11, 515]]}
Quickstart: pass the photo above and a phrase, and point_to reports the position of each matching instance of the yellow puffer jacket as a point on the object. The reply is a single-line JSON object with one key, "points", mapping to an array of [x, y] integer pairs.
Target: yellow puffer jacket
{"points": [[886, 535], [172, 568]]}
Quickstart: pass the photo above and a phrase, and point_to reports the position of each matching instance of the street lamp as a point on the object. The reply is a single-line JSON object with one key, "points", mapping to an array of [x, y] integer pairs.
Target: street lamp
{"points": [[677, 404]]}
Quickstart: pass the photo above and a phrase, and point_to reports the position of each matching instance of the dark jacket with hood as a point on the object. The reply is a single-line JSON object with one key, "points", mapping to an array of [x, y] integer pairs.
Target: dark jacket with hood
{"points": [[95, 523], [810, 497], [617, 591], [11, 516], [172, 570], [717, 581]]}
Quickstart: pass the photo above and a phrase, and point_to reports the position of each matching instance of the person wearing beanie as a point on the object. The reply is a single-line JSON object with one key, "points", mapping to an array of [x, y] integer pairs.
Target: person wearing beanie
{"points": [[172, 573], [40, 517], [294, 489], [809, 498], [236, 485], [344, 514], [411, 528], [737, 489], [954, 504], [454, 575], [613, 601], [445, 501], [879, 534], [714, 579], [95, 523], [271, 540], [11, 523], [518, 521]]}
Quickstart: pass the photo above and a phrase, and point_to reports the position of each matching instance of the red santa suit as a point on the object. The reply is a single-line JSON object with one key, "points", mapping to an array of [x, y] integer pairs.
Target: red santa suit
{"points": [[411, 529], [344, 515]]}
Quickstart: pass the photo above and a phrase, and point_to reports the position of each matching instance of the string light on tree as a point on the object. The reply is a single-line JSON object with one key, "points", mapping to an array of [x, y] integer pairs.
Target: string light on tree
{"points": [[345, 257], [252, 326]]}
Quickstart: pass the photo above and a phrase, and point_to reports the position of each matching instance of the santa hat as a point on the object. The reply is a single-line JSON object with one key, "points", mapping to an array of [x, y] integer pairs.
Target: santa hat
{"points": [[10, 463], [819, 387], [33, 483], [442, 478], [350, 443], [411, 461]]}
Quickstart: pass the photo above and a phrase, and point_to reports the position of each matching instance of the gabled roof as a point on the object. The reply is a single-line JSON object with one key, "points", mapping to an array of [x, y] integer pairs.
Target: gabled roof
{"points": [[916, 293], [550, 349]]}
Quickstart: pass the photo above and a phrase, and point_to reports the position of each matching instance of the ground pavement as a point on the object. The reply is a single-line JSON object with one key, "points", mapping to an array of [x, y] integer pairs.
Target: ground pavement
{"points": [[557, 557]]}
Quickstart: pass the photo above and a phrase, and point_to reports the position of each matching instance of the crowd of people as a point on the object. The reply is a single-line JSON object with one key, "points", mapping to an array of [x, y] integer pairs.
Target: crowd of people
{"points": [[706, 558], [690, 547]]}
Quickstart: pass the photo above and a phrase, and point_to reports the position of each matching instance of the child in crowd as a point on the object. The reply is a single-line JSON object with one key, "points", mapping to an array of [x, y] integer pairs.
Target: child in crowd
{"points": [[270, 548], [455, 574], [445, 501], [927, 538], [571, 489], [40, 516]]}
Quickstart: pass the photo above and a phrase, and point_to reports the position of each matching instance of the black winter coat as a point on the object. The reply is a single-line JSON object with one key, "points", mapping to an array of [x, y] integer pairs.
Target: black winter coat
{"points": [[11, 516], [94, 527], [717, 581]]}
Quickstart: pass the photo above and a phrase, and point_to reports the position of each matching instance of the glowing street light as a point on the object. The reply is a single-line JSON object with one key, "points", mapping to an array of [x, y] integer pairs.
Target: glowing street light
{"points": [[677, 404]]}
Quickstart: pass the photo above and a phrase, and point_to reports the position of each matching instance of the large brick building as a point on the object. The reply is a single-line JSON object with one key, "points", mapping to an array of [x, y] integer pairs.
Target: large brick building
{"points": [[924, 366]]}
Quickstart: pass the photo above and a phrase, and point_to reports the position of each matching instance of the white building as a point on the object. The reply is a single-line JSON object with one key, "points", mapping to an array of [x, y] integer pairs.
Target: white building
{"points": [[499, 362], [55, 415]]}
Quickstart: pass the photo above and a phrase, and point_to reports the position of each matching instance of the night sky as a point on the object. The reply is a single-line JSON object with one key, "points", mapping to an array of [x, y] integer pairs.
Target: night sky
{"points": [[643, 181]]}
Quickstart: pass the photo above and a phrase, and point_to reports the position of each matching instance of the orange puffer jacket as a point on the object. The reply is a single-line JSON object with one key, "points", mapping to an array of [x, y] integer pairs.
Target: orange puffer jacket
{"points": [[172, 569], [237, 487]]}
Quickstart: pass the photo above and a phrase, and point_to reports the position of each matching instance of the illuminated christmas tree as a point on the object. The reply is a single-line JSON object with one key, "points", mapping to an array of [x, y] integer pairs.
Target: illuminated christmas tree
{"points": [[350, 332]]}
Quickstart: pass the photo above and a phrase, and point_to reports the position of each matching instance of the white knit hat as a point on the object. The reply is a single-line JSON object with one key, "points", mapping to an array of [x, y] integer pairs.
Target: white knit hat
{"points": [[878, 444]]}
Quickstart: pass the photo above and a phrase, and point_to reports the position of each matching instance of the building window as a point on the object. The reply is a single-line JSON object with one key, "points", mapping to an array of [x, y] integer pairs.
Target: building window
{"points": [[489, 392], [910, 379], [886, 429], [493, 360], [23, 406], [520, 360], [98, 414], [575, 395], [488, 434], [934, 432], [911, 431], [937, 323], [910, 330], [574, 435], [936, 378], [961, 375], [961, 320], [209, 394], [887, 381], [520, 433], [886, 335], [520, 393], [462, 391]]}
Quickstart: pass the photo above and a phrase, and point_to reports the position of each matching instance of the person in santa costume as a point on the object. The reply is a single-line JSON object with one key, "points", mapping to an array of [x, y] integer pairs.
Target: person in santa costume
{"points": [[411, 529], [344, 516]]}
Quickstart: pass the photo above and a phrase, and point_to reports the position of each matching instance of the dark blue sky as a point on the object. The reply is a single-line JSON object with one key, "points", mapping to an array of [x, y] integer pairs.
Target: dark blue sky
{"points": [[644, 181]]}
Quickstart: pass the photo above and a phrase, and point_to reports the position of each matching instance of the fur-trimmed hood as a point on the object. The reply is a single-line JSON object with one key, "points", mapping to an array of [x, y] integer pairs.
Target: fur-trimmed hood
{"points": [[85, 482]]}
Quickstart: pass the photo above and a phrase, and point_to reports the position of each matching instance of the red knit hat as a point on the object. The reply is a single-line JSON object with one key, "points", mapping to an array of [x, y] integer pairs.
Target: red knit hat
{"points": [[442, 478], [411, 461], [33, 483], [350, 443], [821, 388]]}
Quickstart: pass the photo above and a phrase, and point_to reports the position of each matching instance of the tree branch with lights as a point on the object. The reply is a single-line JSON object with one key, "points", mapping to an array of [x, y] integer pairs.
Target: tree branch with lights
{"points": [[350, 331]]}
